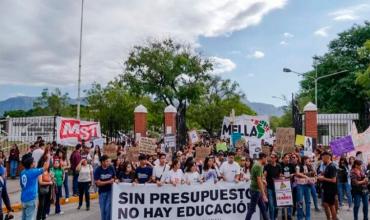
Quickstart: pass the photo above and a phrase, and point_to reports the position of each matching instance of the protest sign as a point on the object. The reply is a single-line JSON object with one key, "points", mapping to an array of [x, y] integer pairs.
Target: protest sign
{"points": [[255, 147], [360, 139], [266, 150], [193, 137], [169, 143], [147, 146], [246, 125], [133, 154], [207, 201], [221, 147], [111, 151], [283, 192], [71, 131], [235, 137], [342, 145], [285, 140], [308, 146], [202, 152], [299, 140], [27, 129]]}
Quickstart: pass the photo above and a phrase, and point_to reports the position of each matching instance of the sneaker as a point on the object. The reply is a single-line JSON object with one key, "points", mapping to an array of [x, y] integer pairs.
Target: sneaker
{"points": [[66, 200], [60, 213], [317, 209], [79, 207], [349, 209], [87, 208]]}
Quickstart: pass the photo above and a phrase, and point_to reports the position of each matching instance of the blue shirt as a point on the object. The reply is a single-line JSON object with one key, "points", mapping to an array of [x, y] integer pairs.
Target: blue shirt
{"points": [[2, 170], [104, 175], [143, 174], [29, 183]]}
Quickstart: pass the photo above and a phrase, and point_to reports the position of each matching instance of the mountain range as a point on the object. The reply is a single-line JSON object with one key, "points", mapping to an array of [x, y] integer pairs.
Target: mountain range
{"points": [[26, 103]]}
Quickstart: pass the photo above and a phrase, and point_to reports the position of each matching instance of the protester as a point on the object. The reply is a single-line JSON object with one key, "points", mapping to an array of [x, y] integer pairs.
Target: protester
{"points": [[303, 179], [144, 172], [14, 160], [44, 190], [344, 187], [257, 189], [359, 183], [210, 170], [65, 166], [38, 151], [272, 171], [58, 175], [85, 173], [230, 170], [175, 176], [329, 185], [192, 175], [75, 159], [126, 173], [104, 178], [288, 171], [160, 170]]}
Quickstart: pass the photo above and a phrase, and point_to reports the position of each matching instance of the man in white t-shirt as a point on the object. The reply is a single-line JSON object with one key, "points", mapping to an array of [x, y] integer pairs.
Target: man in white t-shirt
{"points": [[38, 152], [230, 170], [160, 170]]}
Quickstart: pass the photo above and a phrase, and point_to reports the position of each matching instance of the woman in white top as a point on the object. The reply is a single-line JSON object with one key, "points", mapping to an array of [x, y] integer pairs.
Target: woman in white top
{"points": [[246, 169], [210, 170], [175, 176], [192, 175], [84, 182]]}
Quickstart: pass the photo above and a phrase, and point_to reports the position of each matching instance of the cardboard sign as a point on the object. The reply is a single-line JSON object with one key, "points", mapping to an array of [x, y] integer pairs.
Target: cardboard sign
{"points": [[111, 151], [266, 150], [202, 152], [283, 192], [133, 154], [147, 146], [169, 143], [285, 140], [221, 147]]}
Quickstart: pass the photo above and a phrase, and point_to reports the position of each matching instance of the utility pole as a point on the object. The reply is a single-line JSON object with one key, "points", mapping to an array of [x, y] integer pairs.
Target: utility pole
{"points": [[79, 64]]}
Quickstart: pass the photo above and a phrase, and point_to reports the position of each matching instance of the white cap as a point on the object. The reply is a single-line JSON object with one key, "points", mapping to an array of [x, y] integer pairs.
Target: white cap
{"points": [[310, 107], [170, 109]]}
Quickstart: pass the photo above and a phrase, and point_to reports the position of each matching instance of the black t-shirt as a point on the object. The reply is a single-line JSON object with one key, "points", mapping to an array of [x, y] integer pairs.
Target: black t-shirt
{"points": [[342, 174], [287, 169], [273, 172], [330, 172]]}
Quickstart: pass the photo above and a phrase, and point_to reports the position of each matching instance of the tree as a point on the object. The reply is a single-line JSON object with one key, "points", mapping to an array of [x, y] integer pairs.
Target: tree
{"points": [[51, 103], [335, 92], [170, 72], [363, 77], [218, 101]]}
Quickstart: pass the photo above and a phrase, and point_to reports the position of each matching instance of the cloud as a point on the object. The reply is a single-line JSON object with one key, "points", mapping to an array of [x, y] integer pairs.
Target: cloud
{"points": [[250, 75], [256, 55], [322, 32], [283, 43], [39, 40], [222, 65], [350, 13], [288, 35]]}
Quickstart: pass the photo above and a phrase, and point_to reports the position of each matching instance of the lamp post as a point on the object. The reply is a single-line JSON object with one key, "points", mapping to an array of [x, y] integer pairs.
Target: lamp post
{"points": [[79, 65], [316, 78]]}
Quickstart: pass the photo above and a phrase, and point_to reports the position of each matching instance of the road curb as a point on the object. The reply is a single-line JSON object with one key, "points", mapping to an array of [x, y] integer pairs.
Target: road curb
{"points": [[74, 199]]}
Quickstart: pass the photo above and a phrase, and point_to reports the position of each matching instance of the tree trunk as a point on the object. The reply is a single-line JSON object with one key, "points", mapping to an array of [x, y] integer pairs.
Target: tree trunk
{"points": [[181, 125]]}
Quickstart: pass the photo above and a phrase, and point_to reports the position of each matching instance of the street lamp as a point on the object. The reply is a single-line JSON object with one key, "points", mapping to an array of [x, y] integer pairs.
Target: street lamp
{"points": [[316, 78]]}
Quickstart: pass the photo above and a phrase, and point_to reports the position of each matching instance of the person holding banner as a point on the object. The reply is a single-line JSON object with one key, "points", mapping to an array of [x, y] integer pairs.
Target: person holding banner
{"points": [[230, 170], [104, 178], [257, 189], [210, 170], [192, 175], [175, 175], [360, 192], [160, 170], [144, 172]]}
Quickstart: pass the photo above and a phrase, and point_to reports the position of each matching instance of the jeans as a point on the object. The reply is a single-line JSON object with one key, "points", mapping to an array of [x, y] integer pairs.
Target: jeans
{"points": [[344, 188], [75, 183], [272, 203], [256, 199], [303, 199], [58, 195], [66, 185], [13, 168], [314, 195], [83, 188], [28, 210], [357, 198], [105, 201]]}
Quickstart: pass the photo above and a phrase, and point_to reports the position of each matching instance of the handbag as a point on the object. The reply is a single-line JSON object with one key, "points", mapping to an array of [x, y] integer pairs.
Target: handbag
{"points": [[44, 190]]}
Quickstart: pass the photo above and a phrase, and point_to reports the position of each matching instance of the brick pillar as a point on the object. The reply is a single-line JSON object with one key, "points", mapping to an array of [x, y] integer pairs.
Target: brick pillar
{"points": [[310, 117], [170, 120], [140, 121]]}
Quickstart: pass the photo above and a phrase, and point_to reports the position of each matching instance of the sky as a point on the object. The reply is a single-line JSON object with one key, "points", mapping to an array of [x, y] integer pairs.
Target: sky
{"points": [[249, 41]]}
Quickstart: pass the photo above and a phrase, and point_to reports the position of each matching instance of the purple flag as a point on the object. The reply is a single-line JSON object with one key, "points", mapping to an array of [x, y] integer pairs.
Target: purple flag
{"points": [[342, 145]]}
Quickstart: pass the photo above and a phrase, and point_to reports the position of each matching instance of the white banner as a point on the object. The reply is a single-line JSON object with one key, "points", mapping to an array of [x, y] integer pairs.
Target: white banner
{"points": [[208, 201], [252, 126], [72, 131], [27, 129]]}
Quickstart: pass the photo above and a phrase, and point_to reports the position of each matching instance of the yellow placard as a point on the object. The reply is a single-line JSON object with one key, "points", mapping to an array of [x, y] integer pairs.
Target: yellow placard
{"points": [[299, 140]]}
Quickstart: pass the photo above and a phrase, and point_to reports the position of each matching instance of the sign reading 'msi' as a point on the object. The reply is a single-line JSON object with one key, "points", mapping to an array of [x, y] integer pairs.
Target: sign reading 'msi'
{"points": [[247, 125]]}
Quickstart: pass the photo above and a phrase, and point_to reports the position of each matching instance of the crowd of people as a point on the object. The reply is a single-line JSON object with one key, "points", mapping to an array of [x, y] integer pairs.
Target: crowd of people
{"points": [[341, 183]]}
